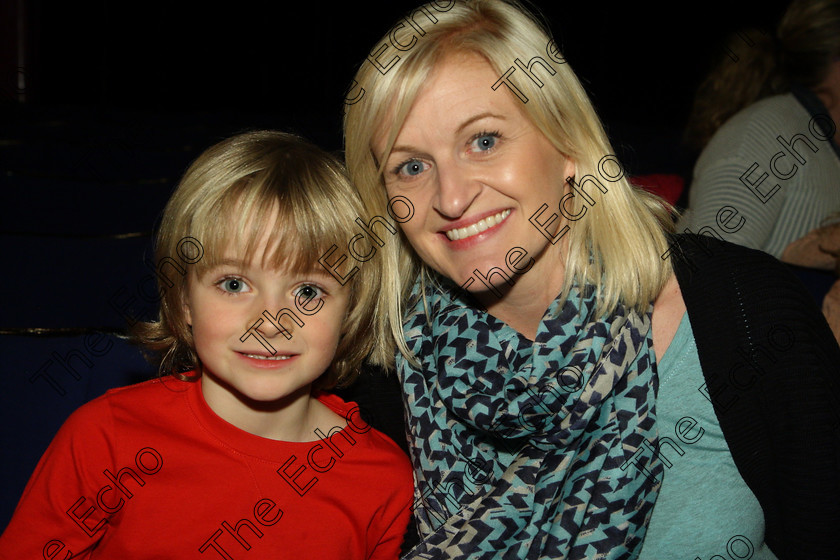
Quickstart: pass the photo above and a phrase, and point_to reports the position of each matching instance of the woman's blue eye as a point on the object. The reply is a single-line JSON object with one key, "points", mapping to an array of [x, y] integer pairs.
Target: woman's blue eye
{"points": [[412, 168], [485, 142], [233, 285]]}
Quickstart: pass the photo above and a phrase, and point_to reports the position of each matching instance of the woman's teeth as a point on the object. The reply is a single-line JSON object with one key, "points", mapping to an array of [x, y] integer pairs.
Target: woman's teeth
{"points": [[478, 227], [257, 356]]}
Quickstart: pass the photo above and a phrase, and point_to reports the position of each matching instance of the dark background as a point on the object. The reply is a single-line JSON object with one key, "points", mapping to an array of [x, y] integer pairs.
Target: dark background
{"points": [[293, 60]]}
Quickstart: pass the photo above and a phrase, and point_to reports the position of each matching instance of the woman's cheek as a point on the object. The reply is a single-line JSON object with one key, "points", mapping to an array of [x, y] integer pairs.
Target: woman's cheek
{"points": [[412, 241]]}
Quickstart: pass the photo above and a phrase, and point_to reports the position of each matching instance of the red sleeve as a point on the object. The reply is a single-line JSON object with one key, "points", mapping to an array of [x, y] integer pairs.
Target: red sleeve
{"points": [[397, 512], [57, 516]]}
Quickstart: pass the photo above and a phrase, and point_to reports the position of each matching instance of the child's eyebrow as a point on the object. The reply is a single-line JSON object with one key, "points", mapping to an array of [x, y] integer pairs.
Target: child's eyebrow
{"points": [[314, 272], [237, 263], [320, 275]]}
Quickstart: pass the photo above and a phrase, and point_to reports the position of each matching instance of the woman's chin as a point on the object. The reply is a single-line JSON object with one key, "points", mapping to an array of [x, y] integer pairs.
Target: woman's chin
{"points": [[482, 281]]}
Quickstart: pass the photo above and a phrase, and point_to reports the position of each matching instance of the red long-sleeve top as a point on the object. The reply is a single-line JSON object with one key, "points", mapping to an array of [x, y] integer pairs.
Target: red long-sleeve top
{"points": [[150, 471]]}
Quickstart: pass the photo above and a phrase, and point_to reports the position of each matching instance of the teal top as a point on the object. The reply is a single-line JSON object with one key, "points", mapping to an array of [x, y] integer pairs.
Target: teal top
{"points": [[704, 507]]}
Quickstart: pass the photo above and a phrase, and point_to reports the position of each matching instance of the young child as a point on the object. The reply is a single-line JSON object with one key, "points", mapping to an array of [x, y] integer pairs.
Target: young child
{"points": [[237, 453]]}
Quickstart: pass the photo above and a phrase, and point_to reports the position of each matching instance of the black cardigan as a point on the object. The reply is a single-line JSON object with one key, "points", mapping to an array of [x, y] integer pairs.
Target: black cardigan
{"points": [[771, 367]]}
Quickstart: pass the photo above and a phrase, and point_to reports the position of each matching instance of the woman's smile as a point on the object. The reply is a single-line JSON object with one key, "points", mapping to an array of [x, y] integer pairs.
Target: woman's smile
{"points": [[457, 233]]}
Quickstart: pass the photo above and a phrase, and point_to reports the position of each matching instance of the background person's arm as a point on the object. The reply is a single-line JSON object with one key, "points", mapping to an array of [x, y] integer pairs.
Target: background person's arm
{"points": [[818, 249]]}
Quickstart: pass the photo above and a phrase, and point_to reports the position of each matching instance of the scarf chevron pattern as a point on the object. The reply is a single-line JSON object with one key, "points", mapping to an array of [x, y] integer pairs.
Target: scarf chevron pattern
{"points": [[521, 449]]}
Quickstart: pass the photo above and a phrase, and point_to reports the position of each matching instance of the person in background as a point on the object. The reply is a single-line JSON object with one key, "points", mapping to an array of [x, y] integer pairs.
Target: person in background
{"points": [[766, 121], [820, 250]]}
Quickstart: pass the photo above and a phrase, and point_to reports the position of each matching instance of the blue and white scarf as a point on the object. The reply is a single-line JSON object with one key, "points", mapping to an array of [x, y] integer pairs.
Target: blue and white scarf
{"points": [[530, 450]]}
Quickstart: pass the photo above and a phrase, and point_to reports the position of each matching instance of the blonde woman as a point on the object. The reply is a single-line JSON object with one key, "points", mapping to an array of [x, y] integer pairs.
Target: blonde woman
{"points": [[560, 401]]}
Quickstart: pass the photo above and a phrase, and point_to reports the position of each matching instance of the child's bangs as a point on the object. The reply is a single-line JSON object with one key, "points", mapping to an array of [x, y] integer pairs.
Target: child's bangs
{"points": [[296, 220]]}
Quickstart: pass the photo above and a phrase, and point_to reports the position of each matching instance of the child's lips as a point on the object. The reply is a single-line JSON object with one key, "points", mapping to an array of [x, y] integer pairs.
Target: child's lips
{"points": [[264, 359]]}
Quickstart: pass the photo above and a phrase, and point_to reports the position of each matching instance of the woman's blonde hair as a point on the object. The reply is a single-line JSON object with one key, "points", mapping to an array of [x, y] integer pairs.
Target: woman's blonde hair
{"points": [[758, 63], [227, 198], [616, 246]]}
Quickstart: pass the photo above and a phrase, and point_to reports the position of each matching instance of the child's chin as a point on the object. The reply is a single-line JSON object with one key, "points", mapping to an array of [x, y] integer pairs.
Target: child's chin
{"points": [[276, 394]]}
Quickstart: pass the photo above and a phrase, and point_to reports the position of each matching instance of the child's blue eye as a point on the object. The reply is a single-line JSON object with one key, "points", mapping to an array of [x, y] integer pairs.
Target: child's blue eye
{"points": [[234, 285], [309, 291]]}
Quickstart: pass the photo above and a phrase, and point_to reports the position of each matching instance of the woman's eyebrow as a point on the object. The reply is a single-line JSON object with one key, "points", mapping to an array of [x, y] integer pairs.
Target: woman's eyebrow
{"points": [[406, 149], [461, 127], [478, 117]]}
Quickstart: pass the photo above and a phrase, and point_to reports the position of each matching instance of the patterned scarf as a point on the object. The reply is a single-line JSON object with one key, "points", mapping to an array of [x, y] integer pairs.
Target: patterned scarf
{"points": [[530, 450]]}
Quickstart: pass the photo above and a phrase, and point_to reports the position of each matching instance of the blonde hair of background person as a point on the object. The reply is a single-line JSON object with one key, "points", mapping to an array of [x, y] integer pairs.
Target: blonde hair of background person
{"points": [[801, 51], [625, 234], [229, 180]]}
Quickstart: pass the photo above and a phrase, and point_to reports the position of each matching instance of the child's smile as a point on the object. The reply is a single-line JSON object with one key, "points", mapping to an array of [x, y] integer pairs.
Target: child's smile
{"points": [[263, 360]]}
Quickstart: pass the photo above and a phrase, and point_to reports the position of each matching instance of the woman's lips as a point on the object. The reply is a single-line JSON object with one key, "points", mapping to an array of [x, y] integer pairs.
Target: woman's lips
{"points": [[482, 225]]}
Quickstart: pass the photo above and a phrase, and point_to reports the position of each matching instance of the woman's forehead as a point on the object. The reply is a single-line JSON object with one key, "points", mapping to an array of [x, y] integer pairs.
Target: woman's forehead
{"points": [[456, 75], [460, 90]]}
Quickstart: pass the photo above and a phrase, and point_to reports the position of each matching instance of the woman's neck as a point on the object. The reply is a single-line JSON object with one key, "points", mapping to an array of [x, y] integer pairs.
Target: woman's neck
{"points": [[523, 305]]}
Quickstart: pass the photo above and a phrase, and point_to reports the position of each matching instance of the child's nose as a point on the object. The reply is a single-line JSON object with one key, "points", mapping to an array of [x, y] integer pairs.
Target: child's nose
{"points": [[284, 322]]}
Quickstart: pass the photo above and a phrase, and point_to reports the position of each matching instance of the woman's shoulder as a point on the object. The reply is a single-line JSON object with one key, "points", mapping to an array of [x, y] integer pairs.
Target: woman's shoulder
{"points": [[691, 252], [707, 267], [736, 295]]}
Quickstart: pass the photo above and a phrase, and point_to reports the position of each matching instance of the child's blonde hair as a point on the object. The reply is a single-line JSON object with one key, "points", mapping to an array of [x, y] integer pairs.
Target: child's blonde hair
{"points": [[227, 198]]}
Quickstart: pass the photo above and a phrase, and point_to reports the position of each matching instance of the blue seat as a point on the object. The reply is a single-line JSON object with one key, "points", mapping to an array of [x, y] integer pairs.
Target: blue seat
{"points": [[44, 380], [78, 282]]}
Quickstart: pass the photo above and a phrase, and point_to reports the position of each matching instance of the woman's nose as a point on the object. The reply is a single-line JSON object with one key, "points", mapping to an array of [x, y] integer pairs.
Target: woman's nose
{"points": [[457, 189]]}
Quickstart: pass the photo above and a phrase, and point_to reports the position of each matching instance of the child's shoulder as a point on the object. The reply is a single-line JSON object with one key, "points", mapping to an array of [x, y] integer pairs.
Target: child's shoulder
{"points": [[120, 419], [154, 390], [141, 399], [372, 437]]}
